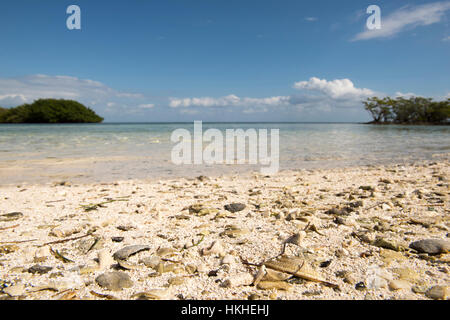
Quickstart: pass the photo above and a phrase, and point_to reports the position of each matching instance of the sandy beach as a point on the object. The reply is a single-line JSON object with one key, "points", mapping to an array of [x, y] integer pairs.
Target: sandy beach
{"points": [[347, 233]]}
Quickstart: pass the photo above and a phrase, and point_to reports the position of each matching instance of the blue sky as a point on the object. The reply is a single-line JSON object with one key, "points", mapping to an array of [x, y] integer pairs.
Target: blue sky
{"points": [[223, 60]]}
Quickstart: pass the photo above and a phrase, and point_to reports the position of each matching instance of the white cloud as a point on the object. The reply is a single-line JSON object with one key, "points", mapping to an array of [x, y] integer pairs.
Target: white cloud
{"points": [[335, 89], [146, 106], [317, 94], [17, 91], [446, 39], [405, 95], [408, 17], [7, 100], [311, 19], [227, 101]]}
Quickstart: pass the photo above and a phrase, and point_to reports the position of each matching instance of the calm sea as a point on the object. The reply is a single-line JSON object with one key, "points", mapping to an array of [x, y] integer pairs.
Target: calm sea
{"points": [[115, 151]]}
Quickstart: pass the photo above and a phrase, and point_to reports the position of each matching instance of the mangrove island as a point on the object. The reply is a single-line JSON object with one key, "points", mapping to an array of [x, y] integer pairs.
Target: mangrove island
{"points": [[50, 111], [415, 110]]}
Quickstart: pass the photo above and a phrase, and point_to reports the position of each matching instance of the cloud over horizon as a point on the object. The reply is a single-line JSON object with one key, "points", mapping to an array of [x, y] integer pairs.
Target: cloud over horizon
{"points": [[20, 90], [319, 94]]}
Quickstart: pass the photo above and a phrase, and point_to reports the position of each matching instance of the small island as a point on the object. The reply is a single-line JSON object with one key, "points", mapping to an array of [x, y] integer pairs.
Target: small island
{"points": [[50, 111], [415, 110]]}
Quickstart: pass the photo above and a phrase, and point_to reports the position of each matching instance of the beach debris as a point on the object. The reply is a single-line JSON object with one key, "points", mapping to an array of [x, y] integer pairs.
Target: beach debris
{"points": [[41, 254], [105, 259], [406, 273], [11, 216], [126, 252], [9, 248], [234, 231], [390, 244], [166, 252], [296, 266], [262, 271], [67, 240], [176, 281], [347, 276], [114, 281], [235, 207], [9, 227], [103, 295], [39, 269], [241, 279], [277, 285], [400, 284], [295, 239], [215, 248], [15, 290], [153, 294], [126, 228], [59, 256], [151, 262], [438, 293], [273, 275], [431, 246], [92, 207], [65, 232], [200, 209]]}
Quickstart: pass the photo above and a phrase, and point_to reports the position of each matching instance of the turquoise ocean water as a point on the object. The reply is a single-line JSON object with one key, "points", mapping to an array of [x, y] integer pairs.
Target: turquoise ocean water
{"points": [[115, 151]]}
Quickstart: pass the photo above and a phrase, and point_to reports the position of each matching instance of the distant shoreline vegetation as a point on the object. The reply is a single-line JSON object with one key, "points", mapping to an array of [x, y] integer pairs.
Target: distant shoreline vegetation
{"points": [[50, 111], [415, 110]]}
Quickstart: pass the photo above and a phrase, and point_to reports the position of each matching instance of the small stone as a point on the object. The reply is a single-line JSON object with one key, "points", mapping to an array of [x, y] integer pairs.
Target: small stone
{"points": [[15, 290], [65, 232], [191, 268], [9, 248], [255, 296], [349, 277], [235, 207], [277, 285], [114, 281], [242, 279], [117, 239], [296, 238], [234, 231], [390, 244], [395, 285], [431, 246], [438, 293], [165, 252], [126, 228], [39, 269], [389, 255], [104, 259], [420, 288], [407, 274], [360, 286], [153, 294], [126, 252], [312, 293], [151, 262], [215, 248], [177, 281]]}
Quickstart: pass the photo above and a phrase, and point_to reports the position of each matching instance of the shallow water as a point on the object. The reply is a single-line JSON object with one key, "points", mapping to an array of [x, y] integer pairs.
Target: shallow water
{"points": [[106, 152]]}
